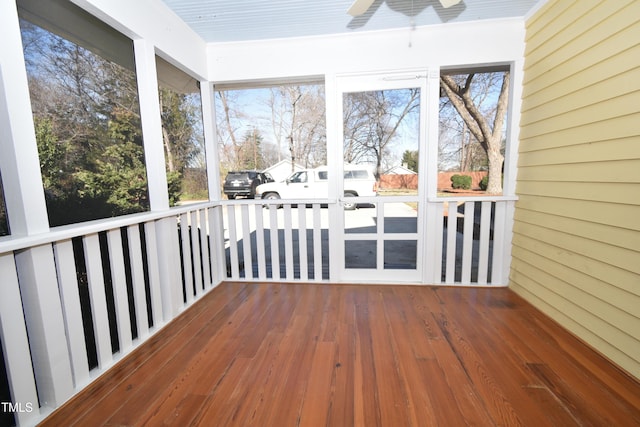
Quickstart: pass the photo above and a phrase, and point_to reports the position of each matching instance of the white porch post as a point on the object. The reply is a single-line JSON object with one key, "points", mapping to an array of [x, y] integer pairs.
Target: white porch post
{"points": [[23, 190], [335, 160], [216, 226], [432, 255], [211, 147], [150, 116], [166, 229], [27, 213]]}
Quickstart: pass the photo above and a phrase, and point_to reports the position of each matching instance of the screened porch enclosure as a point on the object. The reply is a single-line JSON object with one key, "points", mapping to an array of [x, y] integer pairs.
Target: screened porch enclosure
{"points": [[78, 298], [120, 281]]}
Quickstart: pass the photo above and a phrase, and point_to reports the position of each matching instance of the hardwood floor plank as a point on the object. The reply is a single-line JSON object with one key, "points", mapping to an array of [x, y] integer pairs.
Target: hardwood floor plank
{"points": [[388, 380], [333, 355], [246, 397], [340, 318], [181, 414], [419, 324], [367, 400], [469, 399], [571, 401], [316, 405], [404, 333], [586, 369], [223, 400], [496, 399], [501, 366], [556, 413]]}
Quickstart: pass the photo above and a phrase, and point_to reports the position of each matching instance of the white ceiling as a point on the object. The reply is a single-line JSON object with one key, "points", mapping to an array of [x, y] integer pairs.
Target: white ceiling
{"points": [[238, 20]]}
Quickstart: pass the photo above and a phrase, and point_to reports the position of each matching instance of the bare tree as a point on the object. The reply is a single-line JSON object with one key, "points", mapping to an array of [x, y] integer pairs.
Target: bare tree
{"points": [[371, 123], [298, 121], [229, 122], [486, 127]]}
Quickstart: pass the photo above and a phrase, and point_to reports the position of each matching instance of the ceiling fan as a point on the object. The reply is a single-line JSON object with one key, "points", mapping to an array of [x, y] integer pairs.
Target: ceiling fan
{"points": [[361, 6]]}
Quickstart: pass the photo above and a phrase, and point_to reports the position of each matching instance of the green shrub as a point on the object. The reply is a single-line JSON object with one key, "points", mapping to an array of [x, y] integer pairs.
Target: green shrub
{"points": [[462, 182], [484, 182]]}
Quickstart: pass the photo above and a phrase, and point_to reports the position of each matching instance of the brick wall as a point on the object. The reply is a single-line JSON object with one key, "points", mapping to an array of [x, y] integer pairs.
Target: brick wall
{"points": [[444, 180]]}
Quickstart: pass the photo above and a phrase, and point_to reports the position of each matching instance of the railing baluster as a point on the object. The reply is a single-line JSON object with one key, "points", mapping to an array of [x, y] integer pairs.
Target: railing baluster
{"points": [[187, 272], [317, 242], [288, 243], [233, 242], [196, 252], [137, 277], [498, 260], [275, 242], [153, 267], [452, 231], [119, 280], [302, 242], [95, 277], [15, 344], [438, 240], [68, 285], [216, 240], [204, 245], [467, 246], [260, 246], [168, 249], [483, 247], [246, 242]]}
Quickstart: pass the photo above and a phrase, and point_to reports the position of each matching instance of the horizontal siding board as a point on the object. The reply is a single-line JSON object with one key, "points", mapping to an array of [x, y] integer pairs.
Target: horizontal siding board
{"points": [[602, 111], [615, 326], [619, 149], [623, 258], [587, 191], [591, 87], [615, 305], [622, 216], [619, 171], [585, 40], [576, 320], [551, 87], [600, 270], [615, 236], [546, 22], [625, 126]]}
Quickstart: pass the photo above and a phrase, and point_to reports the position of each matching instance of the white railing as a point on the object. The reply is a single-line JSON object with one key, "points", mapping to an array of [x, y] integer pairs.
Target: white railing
{"points": [[475, 248], [269, 240], [77, 299], [264, 243]]}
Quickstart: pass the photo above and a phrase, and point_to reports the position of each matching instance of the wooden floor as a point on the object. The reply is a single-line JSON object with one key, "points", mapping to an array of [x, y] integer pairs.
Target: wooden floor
{"points": [[334, 355]]}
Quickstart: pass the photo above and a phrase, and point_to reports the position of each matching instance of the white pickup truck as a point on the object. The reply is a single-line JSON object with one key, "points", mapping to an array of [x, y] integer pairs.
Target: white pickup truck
{"points": [[313, 184]]}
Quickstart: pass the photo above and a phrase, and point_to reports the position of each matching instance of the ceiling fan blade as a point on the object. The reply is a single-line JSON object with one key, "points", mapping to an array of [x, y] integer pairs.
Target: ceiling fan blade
{"points": [[359, 7], [449, 3]]}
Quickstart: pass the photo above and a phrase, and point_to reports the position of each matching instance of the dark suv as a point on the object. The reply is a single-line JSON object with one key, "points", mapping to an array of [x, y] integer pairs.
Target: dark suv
{"points": [[244, 183]]}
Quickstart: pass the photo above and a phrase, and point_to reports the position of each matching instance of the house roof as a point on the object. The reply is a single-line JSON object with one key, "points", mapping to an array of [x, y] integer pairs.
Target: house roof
{"points": [[241, 20], [399, 170]]}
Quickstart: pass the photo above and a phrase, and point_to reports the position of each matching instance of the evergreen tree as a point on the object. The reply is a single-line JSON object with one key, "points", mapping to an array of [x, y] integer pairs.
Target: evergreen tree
{"points": [[410, 159]]}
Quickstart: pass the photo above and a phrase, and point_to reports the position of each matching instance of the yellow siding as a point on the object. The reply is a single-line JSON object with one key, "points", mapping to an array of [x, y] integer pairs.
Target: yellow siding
{"points": [[618, 148], [576, 244], [585, 39]]}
